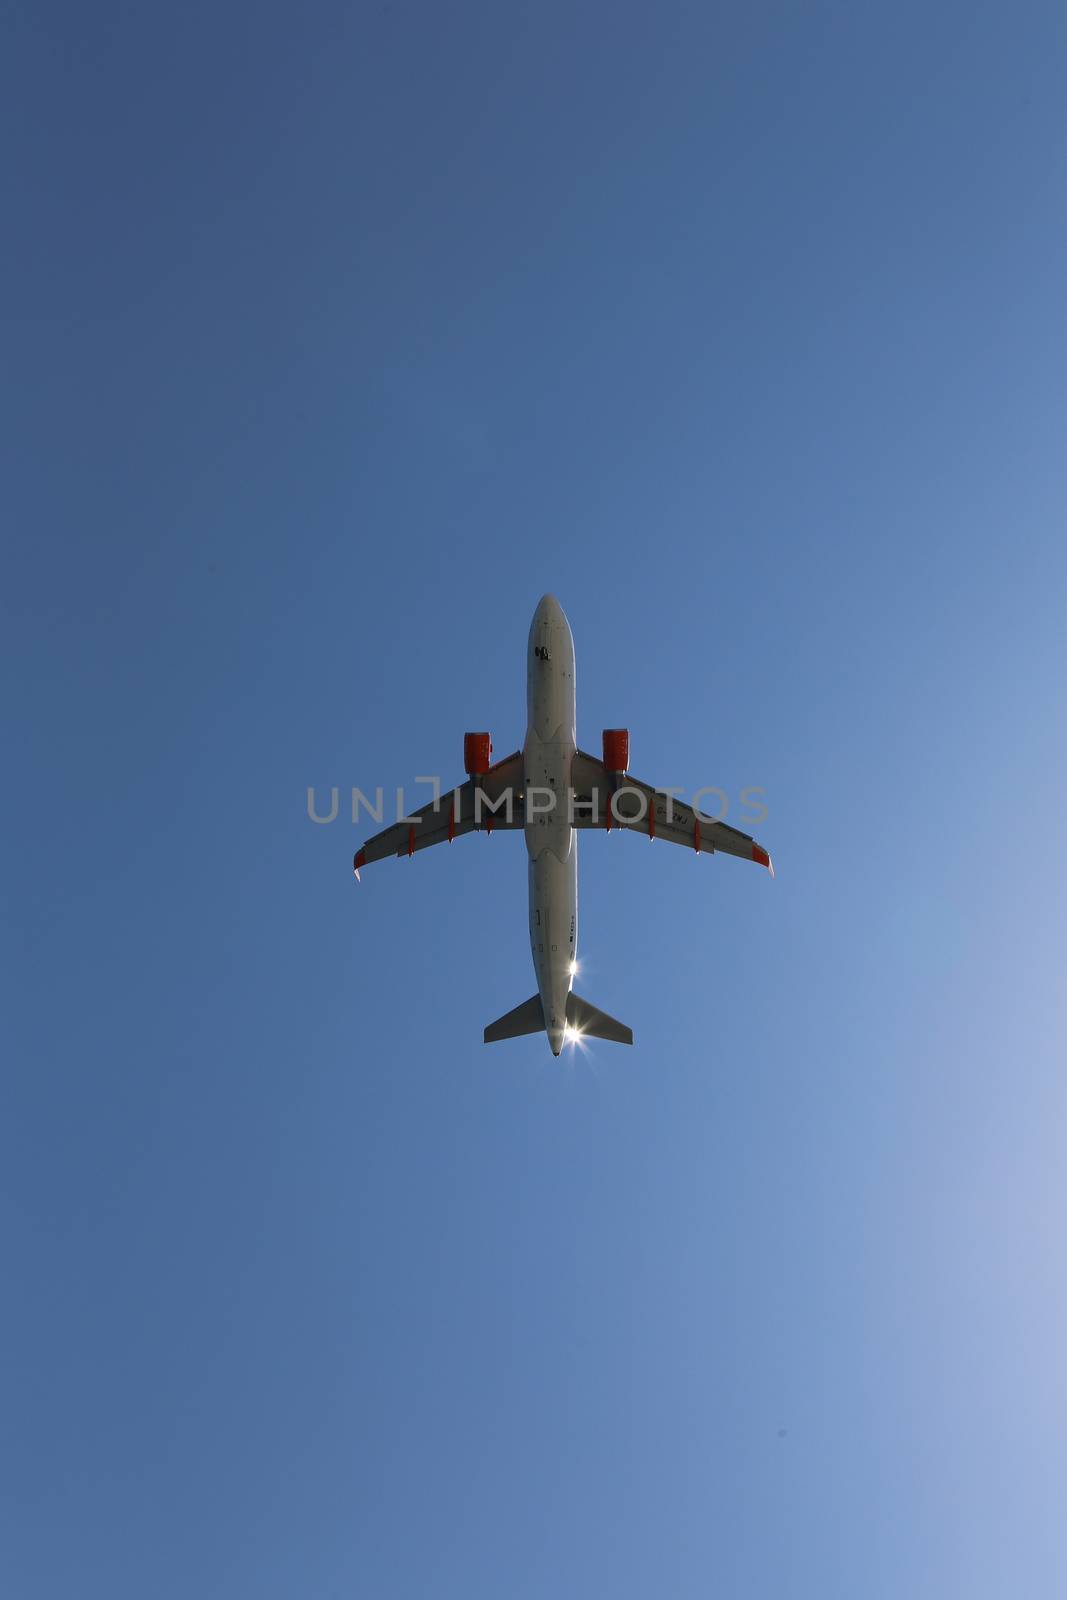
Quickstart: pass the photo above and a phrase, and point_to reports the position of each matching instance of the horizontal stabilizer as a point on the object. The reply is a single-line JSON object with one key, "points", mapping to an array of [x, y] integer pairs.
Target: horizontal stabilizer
{"points": [[527, 1018], [594, 1024]]}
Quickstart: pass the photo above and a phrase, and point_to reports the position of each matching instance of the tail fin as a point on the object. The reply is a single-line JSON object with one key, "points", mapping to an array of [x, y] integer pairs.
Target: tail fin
{"points": [[527, 1018], [581, 1016], [595, 1024]]}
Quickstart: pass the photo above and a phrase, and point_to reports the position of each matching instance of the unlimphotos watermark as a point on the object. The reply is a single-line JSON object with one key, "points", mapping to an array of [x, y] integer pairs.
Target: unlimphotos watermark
{"points": [[509, 806]]}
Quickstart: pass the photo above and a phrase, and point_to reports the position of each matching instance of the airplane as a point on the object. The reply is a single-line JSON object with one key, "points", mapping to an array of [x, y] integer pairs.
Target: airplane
{"points": [[551, 789]]}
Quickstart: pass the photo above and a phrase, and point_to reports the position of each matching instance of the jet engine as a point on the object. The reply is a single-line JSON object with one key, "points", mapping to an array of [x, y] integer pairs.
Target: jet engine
{"points": [[616, 750], [477, 754]]}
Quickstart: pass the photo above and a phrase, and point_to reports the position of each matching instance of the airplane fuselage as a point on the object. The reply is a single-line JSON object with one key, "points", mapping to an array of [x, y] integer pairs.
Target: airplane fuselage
{"points": [[551, 841]]}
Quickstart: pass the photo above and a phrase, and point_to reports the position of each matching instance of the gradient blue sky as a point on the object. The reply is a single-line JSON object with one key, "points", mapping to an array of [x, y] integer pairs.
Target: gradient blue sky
{"points": [[334, 336]]}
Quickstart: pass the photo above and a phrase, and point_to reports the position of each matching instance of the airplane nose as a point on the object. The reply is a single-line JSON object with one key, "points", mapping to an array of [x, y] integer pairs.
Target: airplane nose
{"points": [[548, 609]]}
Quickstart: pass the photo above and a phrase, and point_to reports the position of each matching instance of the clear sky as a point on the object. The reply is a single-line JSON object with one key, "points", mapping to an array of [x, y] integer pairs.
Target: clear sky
{"points": [[334, 336]]}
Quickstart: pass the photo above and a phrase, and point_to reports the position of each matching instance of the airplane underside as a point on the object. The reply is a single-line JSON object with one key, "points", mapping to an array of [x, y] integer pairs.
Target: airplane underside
{"points": [[553, 791]]}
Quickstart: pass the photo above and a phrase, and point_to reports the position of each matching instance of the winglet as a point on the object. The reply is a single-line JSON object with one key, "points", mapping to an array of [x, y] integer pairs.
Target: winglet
{"points": [[359, 860], [762, 859]]}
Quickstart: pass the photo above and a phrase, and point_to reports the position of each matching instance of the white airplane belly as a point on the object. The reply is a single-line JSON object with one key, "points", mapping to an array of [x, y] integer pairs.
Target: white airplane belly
{"points": [[554, 932], [550, 840], [550, 693]]}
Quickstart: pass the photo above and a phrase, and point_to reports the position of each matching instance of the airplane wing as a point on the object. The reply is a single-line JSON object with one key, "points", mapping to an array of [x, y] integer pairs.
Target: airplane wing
{"points": [[451, 815], [643, 809]]}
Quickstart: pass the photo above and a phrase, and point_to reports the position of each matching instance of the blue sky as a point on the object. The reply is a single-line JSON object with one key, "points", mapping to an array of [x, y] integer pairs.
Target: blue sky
{"points": [[335, 336]]}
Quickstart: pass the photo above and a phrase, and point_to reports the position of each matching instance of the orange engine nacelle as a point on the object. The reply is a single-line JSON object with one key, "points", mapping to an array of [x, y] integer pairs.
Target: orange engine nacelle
{"points": [[477, 754], [616, 749]]}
